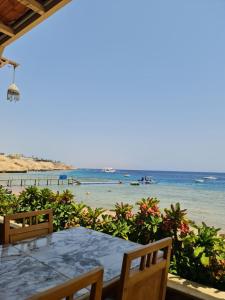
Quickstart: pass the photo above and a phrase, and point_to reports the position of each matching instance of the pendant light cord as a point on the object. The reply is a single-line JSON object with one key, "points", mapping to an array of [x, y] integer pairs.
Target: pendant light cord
{"points": [[14, 74]]}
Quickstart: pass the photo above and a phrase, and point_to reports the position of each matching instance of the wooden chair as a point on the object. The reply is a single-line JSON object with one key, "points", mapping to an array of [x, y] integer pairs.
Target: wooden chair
{"points": [[31, 225], [149, 281], [68, 289]]}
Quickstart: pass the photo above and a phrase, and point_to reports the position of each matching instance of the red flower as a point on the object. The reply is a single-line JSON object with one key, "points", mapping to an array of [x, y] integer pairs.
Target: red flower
{"points": [[128, 215], [184, 228], [154, 211]]}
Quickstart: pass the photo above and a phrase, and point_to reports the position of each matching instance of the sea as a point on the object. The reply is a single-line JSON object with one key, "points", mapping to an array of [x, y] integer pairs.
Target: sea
{"points": [[204, 201]]}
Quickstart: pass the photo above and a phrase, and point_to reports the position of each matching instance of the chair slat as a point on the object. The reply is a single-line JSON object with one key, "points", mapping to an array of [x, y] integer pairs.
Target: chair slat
{"points": [[154, 259], [148, 263], [143, 263]]}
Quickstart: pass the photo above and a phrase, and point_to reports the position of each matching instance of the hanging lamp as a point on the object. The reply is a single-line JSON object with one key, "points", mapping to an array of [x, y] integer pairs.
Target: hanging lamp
{"points": [[13, 93]]}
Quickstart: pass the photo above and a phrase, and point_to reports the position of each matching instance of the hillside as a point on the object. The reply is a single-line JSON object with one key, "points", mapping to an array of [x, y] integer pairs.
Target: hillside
{"points": [[19, 163]]}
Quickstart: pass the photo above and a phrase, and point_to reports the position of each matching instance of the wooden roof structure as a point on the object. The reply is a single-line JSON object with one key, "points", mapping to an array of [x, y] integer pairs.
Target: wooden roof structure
{"points": [[19, 16]]}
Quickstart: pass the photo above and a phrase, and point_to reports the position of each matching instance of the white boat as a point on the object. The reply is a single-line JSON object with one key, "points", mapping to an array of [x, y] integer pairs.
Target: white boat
{"points": [[126, 175], [199, 180], [210, 177], [109, 170]]}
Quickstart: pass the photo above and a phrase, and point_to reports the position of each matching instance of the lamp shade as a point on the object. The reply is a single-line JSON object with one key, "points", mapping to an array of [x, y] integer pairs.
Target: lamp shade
{"points": [[13, 93]]}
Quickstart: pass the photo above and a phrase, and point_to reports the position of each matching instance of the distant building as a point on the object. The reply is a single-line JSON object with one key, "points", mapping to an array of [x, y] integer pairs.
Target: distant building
{"points": [[15, 155]]}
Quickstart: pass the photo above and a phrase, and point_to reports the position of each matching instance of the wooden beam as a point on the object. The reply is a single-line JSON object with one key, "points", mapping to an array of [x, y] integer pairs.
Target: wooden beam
{"points": [[5, 61], [6, 29], [40, 19], [1, 51], [34, 5], [2, 62]]}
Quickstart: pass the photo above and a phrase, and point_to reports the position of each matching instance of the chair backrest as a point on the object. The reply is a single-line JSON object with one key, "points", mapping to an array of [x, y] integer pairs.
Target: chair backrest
{"points": [[68, 289], [149, 281], [34, 223]]}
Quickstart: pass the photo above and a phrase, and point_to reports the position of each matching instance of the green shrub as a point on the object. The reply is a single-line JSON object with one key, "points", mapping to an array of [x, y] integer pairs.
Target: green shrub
{"points": [[121, 223], [34, 198], [202, 258], [63, 206], [198, 252], [120, 228], [8, 202]]}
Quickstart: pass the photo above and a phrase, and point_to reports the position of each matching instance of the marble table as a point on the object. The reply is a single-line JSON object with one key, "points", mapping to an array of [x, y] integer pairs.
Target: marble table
{"points": [[32, 266]]}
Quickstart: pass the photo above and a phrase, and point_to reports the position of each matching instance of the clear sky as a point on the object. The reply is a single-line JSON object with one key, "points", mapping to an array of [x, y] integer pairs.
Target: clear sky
{"points": [[121, 83]]}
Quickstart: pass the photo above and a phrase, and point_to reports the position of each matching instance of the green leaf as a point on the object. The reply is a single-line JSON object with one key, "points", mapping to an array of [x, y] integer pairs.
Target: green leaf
{"points": [[204, 260], [198, 250]]}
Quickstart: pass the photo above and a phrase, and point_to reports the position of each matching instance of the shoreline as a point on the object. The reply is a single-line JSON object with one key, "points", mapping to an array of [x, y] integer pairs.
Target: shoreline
{"points": [[34, 170]]}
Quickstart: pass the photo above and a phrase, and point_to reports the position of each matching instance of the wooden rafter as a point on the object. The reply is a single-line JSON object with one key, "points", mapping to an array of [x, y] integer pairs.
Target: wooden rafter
{"points": [[35, 14], [34, 5], [5, 61], [6, 29], [1, 50]]}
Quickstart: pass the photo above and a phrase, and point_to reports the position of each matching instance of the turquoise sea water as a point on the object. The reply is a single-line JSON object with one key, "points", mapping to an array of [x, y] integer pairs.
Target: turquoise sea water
{"points": [[204, 201]]}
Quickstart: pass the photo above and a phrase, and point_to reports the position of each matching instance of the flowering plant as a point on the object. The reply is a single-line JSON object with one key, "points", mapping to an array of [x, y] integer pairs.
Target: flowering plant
{"points": [[147, 220], [175, 224], [202, 257], [123, 211]]}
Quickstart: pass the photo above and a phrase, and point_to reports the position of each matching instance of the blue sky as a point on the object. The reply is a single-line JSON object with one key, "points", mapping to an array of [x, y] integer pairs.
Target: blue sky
{"points": [[128, 84]]}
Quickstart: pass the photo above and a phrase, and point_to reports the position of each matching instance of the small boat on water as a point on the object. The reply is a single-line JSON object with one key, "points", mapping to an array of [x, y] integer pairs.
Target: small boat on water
{"points": [[199, 180], [146, 180], [126, 175], [109, 170], [134, 183], [210, 177]]}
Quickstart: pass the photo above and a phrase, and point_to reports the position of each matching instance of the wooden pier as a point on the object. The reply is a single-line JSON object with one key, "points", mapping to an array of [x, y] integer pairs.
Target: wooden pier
{"points": [[100, 182], [48, 181]]}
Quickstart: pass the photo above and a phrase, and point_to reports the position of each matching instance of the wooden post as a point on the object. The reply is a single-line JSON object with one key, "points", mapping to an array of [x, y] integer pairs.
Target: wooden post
{"points": [[21, 183]]}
